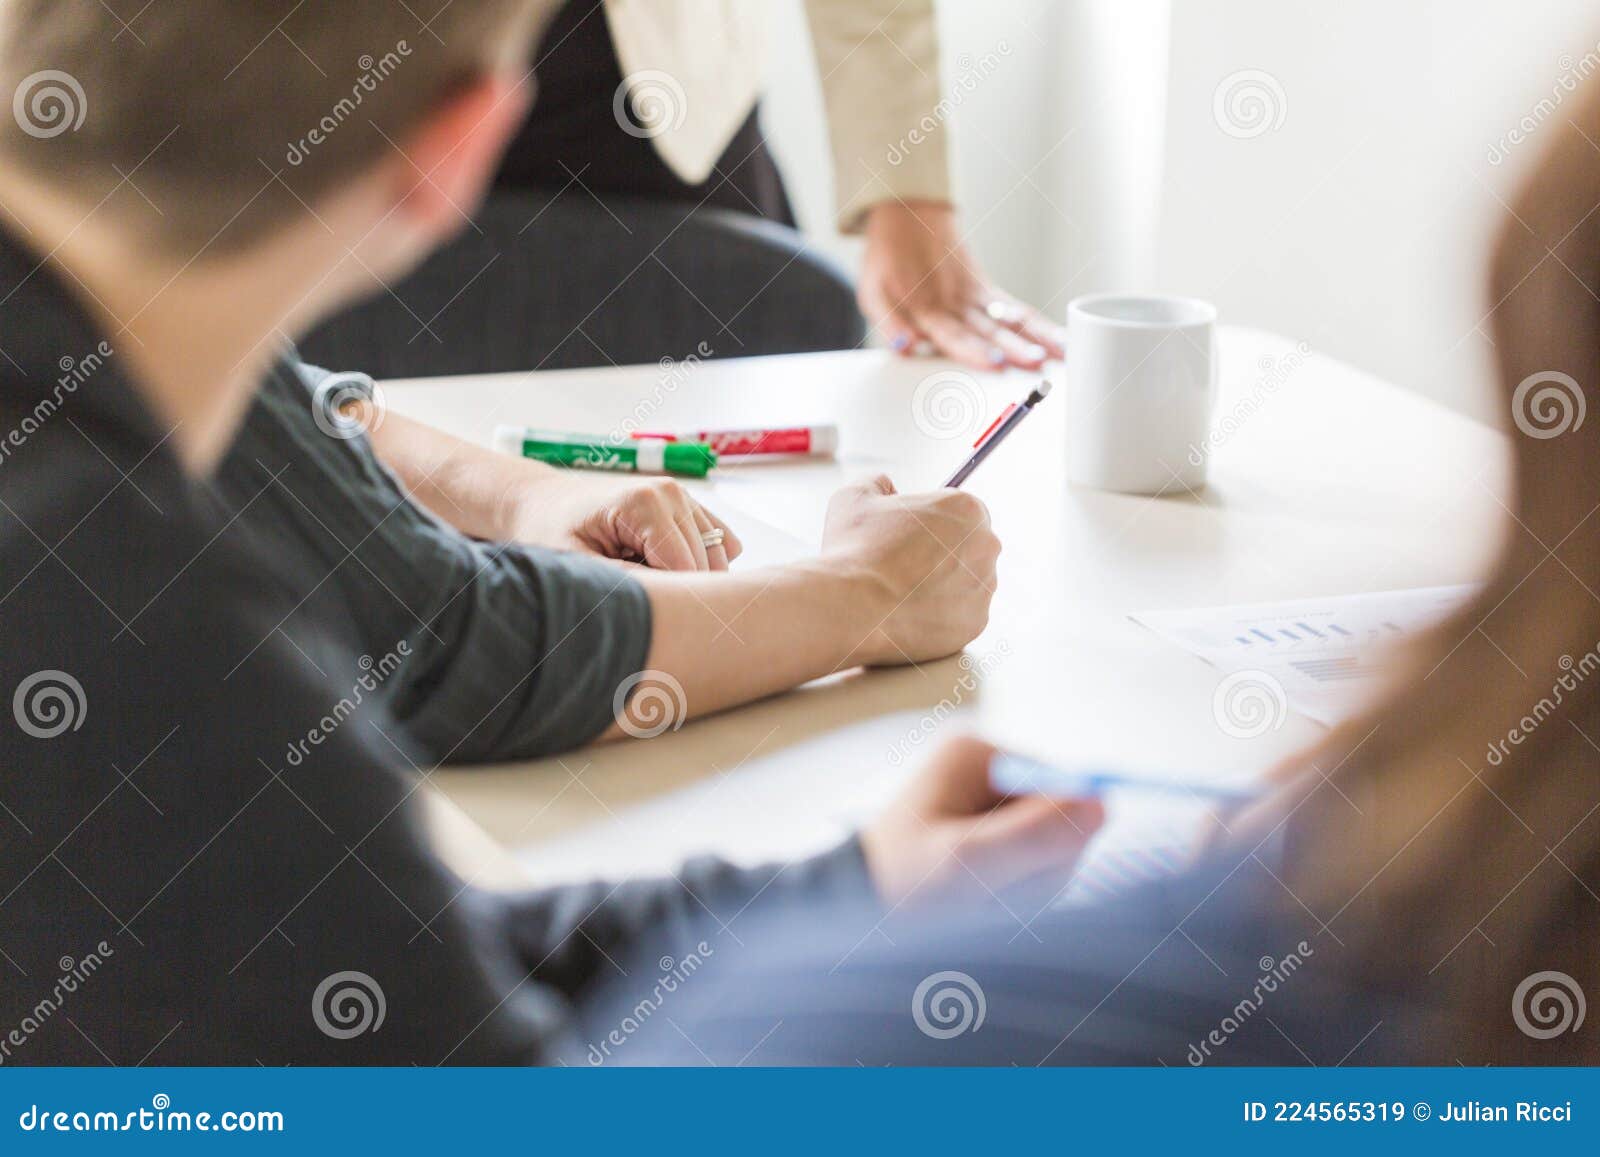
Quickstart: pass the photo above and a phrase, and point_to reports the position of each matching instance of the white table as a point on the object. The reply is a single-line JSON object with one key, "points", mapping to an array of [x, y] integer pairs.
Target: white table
{"points": [[1332, 482]]}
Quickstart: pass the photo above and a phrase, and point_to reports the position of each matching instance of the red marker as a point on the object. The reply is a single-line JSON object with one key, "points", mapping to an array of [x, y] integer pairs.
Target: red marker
{"points": [[822, 441]]}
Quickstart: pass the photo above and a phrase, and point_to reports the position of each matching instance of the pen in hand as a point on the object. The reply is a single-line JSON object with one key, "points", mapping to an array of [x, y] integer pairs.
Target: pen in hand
{"points": [[1010, 418], [1012, 774]]}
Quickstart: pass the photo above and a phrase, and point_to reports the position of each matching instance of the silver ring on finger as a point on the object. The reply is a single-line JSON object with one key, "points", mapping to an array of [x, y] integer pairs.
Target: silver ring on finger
{"points": [[1002, 311], [713, 537]]}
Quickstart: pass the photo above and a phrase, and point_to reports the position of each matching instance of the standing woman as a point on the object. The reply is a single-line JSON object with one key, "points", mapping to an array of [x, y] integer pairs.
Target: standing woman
{"points": [[658, 99]]}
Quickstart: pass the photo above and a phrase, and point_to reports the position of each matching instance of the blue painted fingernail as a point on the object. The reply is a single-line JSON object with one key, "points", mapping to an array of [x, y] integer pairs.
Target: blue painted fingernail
{"points": [[997, 356], [900, 342]]}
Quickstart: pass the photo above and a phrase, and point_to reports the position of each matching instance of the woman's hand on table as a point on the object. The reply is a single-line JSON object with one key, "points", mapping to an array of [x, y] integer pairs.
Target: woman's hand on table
{"points": [[920, 287]]}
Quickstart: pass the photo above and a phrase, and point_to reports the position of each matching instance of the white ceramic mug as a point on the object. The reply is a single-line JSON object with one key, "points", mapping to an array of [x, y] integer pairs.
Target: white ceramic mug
{"points": [[1141, 385]]}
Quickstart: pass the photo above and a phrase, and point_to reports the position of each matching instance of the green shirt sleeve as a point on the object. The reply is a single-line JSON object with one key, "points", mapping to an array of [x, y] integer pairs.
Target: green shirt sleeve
{"points": [[495, 651]]}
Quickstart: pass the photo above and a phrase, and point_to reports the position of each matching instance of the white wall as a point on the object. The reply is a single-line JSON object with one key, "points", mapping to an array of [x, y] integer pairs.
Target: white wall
{"points": [[1094, 158], [1360, 223]]}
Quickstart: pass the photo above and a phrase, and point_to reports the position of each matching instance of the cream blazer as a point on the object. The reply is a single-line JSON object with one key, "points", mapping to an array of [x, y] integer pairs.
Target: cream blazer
{"points": [[700, 61]]}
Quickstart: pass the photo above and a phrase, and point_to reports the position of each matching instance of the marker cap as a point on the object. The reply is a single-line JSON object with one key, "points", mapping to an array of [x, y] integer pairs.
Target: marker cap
{"points": [[692, 458]]}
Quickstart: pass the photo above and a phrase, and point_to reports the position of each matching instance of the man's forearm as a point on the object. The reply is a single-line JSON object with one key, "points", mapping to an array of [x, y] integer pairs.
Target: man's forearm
{"points": [[475, 490], [726, 637], [732, 638]]}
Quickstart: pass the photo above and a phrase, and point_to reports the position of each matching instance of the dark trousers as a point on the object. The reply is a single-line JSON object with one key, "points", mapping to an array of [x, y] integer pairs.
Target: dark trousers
{"points": [[591, 251], [573, 135]]}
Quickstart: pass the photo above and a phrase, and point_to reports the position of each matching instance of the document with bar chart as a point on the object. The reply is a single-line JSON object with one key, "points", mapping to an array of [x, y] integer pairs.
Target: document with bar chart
{"points": [[1326, 653]]}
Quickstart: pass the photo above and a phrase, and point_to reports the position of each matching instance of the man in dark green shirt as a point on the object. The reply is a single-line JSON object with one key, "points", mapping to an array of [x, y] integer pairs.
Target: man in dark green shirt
{"points": [[185, 794], [510, 650], [519, 634]]}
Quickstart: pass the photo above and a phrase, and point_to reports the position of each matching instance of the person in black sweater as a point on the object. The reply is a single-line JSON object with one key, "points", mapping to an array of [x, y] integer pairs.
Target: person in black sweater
{"points": [[204, 809]]}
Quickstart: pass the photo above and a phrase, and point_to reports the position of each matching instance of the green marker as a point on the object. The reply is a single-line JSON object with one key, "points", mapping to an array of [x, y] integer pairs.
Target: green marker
{"points": [[587, 452]]}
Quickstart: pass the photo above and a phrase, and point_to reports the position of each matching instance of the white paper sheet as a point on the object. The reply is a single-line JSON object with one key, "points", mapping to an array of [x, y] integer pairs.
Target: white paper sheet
{"points": [[764, 544], [1325, 653]]}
